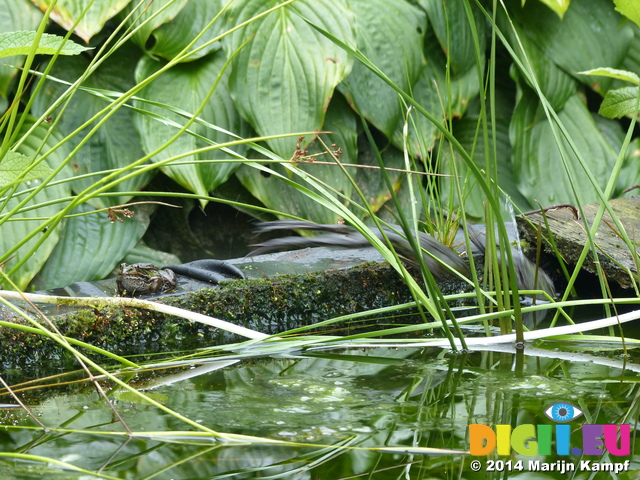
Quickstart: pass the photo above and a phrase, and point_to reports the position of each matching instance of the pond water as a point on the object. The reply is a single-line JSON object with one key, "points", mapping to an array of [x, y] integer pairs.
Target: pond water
{"points": [[329, 414]]}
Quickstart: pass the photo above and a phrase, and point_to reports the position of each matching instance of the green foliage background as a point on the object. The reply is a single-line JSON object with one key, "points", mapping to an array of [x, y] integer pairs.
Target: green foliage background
{"points": [[280, 73]]}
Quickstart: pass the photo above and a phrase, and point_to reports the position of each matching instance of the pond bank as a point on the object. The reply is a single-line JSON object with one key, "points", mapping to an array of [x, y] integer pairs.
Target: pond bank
{"points": [[268, 304]]}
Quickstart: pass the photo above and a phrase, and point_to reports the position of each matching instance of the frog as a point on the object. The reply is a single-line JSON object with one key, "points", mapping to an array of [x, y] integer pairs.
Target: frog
{"points": [[144, 278]]}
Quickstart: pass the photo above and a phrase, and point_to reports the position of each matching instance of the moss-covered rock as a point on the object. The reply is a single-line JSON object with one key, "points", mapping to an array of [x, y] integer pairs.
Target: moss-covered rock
{"points": [[271, 306]]}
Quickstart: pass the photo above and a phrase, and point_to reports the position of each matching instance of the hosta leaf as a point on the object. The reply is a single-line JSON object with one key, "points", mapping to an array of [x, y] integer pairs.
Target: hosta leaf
{"points": [[444, 98], [20, 225], [172, 30], [555, 84], [14, 164], [374, 187], [630, 9], [142, 253], [390, 34], [66, 13], [155, 13], [630, 173], [172, 37], [466, 132], [620, 103], [15, 15], [452, 22], [194, 80], [21, 43], [591, 35], [91, 246], [274, 193], [538, 167], [116, 143], [283, 79]]}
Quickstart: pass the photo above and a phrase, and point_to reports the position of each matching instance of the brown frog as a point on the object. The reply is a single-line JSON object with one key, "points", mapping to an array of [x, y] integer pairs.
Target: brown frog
{"points": [[143, 278]]}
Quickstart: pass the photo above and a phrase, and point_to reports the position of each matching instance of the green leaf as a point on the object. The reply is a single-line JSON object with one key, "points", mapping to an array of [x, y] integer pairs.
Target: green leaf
{"points": [[277, 195], [14, 164], [538, 167], [15, 15], [155, 13], [177, 26], [21, 224], [466, 132], [443, 98], [194, 80], [95, 244], [116, 143], [283, 79], [558, 6], [630, 9], [591, 35], [66, 13], [390, 34], [614, 134], [142, 253], [555, 83], [630, 173], [372, 184], [21, 43], [614, 73], [620, 103], [173, 37], [452, 21]]}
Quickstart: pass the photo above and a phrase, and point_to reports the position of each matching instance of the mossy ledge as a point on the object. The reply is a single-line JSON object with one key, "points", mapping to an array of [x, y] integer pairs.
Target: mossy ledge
{"points": [[269, 306]]}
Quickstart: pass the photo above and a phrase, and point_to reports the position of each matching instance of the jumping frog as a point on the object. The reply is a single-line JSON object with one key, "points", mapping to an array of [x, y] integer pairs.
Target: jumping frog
{"points": [[143, 278]]}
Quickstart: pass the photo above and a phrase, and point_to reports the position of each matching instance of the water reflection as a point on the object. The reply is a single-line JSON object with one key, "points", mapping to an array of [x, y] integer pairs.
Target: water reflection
{"points": [[328, 408]]}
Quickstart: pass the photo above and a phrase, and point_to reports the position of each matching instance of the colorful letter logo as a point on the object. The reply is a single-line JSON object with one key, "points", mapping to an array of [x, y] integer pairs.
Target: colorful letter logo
{"points": [[532, 440]]}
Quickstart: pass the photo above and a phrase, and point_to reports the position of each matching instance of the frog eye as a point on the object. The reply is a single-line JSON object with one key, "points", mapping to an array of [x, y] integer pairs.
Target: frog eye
{"points": [[563, 412]]}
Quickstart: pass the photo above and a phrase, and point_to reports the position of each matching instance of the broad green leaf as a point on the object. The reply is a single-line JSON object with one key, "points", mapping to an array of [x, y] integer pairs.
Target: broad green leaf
{"points": [[372, 184], [283, 79], [443, 99], [15, 15], [20, 225], [555, 84], [630, 173], [591, 35], [630, 9], [614, 135], [66, 13], [538, 167], [390, 34], [451, 25], [277, 195], [116, 144], [614, 73], [21, 43], [467, 133], [558, 6], [171, 38], [178, 25], [14, 164], [620, 103], [91, 246], [142, 253], [611, 131], [184, 88], [341, 124], [155, 13]]}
